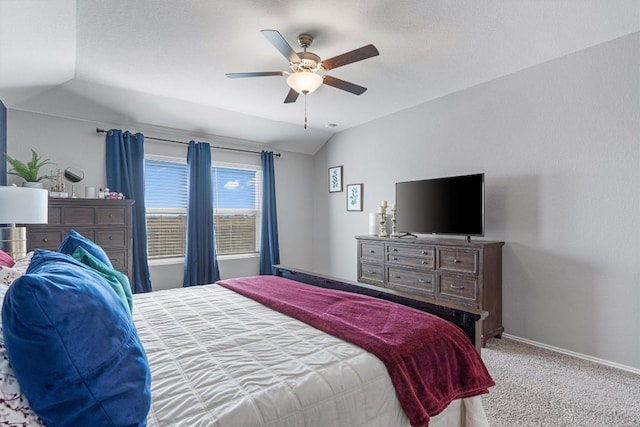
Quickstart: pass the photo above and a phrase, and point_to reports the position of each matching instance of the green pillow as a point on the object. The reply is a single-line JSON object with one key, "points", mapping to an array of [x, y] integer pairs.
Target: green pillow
{"points": [[116, 279]]}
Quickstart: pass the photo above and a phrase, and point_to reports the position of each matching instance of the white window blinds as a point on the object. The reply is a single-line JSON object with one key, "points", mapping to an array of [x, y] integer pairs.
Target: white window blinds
{"points": [[236, 196]]}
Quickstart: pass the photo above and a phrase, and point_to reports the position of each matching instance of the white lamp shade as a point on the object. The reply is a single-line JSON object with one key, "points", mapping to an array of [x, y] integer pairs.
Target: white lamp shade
{"points": [[22, 205], [304, 81]]}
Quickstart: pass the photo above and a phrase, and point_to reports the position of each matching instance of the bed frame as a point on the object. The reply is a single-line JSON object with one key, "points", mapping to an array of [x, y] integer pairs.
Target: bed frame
{"points": [[467, 318]]}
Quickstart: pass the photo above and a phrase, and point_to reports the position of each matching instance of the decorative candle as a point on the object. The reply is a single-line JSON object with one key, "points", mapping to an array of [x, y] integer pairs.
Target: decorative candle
{"points": [[373, 223], [384, 203], [393, 207], [382, 209]]}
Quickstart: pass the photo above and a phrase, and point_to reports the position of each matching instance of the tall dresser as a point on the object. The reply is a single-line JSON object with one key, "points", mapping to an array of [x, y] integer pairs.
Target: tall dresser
{"points": [[456, 271], [106, 222]]}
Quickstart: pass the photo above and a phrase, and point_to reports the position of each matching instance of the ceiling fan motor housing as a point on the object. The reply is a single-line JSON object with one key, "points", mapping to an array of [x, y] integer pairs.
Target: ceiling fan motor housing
{"points": [[308, 62]]}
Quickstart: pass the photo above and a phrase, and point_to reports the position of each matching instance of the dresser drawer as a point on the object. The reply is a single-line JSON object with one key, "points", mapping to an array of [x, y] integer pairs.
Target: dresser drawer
{"points": [[458, 260], [55, 215], [372, 251], [116, 238], [410, 281], [410, 261], [114, 215], [79, 215], [463, 289], [414, 251], [371, 273], [48, 239], [119, 259], [86, 232]]}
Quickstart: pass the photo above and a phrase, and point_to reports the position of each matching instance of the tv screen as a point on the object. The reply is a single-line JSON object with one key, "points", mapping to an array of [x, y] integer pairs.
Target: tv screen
{"points": [[451, 205]]}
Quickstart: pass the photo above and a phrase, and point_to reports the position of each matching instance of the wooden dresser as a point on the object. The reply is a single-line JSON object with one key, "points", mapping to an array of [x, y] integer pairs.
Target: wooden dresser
{"points": [[106, 222], [464, 273]]}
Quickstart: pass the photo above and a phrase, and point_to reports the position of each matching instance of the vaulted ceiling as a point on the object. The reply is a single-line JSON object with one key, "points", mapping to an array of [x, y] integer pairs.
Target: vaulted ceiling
{"points": [[163, 63]]}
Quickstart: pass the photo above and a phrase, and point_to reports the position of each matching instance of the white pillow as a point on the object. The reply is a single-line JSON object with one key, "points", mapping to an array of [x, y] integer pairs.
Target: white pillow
{"points": [[23, 263], [9, 274]]}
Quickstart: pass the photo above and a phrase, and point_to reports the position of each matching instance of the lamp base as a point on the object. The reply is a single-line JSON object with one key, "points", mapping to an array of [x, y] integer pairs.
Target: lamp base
{"points": [[13, 240]]}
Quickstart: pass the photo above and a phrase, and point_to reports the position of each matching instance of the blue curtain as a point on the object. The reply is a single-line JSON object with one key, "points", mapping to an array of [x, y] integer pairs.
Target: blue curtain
{"points": [[200, 261], [125, 174], [269, 246]]}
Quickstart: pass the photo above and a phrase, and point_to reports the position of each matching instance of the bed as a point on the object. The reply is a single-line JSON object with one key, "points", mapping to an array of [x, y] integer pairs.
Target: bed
{"points": [[219, 358]]}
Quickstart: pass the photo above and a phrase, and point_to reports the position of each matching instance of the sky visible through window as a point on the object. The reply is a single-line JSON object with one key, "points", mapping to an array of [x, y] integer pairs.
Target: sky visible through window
{"points": [[234, 188], [166, 186]]}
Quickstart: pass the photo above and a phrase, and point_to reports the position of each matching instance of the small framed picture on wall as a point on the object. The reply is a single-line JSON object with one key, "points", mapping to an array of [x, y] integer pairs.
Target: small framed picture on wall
{"points": [[335, 179], [354, 197]]}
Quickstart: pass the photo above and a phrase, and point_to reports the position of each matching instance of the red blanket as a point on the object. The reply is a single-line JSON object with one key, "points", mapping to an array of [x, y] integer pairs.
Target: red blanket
{"points": [[430, 361]]}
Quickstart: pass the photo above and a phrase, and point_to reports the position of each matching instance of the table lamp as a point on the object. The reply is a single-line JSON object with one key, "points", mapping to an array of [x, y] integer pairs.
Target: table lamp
{"points": [[20, 205]]}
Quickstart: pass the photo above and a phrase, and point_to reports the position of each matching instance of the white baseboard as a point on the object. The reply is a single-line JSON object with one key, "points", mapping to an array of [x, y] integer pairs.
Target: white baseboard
{"points": [[574, 354]]}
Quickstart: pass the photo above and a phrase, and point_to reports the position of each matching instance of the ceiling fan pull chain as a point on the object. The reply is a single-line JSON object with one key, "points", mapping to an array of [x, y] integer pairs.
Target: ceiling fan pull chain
{"points": [[305, 110]]}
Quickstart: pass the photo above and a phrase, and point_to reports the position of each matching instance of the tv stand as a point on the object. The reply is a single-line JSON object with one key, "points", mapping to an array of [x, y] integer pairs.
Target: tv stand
{"points": [[447, 271]]}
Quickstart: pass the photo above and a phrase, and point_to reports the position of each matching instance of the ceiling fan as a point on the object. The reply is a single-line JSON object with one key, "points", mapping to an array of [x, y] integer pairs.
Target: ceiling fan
{"points": [[305, 66]]}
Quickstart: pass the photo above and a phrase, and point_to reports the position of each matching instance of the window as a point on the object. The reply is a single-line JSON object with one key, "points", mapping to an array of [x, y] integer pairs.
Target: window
{"points": [[236, 210]]}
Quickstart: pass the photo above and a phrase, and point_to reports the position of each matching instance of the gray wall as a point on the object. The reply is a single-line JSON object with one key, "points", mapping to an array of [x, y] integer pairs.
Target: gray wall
{"points": [[3, 144], [70, 142], [559, 144]]}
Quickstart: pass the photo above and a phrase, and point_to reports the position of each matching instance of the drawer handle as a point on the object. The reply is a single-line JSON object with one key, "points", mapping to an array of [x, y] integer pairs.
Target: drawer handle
{"points": [[424, 262], [455, 261], [45, 240], [424, 281], [452, 286], [372, 252], [395, 249], [371, 272], [395, 259], [110, 215], [397, 277], [424, 252]]}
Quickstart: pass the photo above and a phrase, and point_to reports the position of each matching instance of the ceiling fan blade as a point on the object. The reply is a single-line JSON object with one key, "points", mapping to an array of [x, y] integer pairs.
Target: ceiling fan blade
{"points": [[344, 85], [292, 96], [347, 58], [258, 74], [281, 44]]}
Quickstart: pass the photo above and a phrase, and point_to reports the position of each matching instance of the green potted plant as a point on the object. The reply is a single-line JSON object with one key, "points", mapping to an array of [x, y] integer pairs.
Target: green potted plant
{"points": [[29, 171]]}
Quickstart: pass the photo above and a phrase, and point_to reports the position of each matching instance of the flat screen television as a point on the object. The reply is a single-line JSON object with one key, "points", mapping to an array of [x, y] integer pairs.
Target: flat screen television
{"points": [[451, 205]]}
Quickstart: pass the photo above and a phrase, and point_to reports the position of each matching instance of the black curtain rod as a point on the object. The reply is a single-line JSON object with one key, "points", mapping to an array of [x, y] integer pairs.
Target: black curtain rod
{"points": [[98, 130]]}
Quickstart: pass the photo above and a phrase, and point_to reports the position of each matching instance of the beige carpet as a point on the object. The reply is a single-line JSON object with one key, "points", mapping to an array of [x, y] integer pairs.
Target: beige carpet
{"points": [[539, 387]]}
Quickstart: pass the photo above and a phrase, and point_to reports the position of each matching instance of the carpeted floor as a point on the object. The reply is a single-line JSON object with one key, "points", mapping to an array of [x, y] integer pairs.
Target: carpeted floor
{"points": [[539, 387]]}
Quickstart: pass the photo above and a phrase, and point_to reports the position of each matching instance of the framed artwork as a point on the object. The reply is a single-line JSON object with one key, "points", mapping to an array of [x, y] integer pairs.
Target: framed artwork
{"points": [[335, 179], [354, 197]]}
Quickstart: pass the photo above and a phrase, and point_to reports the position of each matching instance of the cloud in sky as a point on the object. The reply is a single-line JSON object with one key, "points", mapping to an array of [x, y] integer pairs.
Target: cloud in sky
{"points": [[232, 185]]}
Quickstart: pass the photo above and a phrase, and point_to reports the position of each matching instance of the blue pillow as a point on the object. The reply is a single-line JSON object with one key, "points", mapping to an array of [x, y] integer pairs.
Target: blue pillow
{"points": [[73, 346], [75, 239]]}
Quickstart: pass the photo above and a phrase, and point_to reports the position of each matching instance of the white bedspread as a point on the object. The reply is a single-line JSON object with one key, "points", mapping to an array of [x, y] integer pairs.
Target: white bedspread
{"points": [[219, 359]]}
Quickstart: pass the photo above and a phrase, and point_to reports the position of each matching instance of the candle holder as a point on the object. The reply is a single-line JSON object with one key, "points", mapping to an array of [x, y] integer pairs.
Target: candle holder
{"points": [[394, 230], [383, 222]]}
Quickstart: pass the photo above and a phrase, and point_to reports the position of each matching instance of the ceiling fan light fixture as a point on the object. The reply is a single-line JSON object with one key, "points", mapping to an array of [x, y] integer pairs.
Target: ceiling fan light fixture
{"points": [[304, 82]]}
